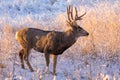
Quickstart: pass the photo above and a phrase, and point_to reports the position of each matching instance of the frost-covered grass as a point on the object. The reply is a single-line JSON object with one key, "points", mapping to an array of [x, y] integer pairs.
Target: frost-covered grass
{"points": [[68, 68], [95, 57]]}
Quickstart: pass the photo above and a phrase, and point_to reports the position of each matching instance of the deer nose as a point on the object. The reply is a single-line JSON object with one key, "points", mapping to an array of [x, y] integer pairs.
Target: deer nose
{"points": [[87, 34]]}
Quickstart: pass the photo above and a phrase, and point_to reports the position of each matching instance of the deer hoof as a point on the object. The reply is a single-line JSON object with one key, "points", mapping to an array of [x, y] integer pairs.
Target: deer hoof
{"points": [[31, 70], [55, 74], [23, 67], [46, 70]]}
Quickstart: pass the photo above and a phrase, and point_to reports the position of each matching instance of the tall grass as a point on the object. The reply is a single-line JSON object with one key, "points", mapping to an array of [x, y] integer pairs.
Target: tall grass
{"points": [[102, 21]]}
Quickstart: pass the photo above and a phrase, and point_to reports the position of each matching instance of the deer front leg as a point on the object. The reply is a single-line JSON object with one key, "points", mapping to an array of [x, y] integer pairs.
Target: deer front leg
{"points": [[47, 58], [54, 58], [21, 54]]}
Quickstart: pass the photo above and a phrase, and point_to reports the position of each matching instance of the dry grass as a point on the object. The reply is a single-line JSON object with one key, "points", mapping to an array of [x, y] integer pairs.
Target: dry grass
{"points": [[101, 21], [103, 25]]}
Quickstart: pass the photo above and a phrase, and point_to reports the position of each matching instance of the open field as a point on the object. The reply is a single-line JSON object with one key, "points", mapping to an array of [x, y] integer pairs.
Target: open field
{"points": [[96, 57]]}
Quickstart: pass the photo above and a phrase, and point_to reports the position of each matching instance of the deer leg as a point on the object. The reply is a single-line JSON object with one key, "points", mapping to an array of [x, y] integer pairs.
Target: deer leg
{"points": [[21, 54], [26, 51], [47, 58], [54, 58]]}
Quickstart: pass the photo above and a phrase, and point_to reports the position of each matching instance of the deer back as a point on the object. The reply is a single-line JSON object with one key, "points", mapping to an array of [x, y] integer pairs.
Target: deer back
{"points": [[28, 37]]}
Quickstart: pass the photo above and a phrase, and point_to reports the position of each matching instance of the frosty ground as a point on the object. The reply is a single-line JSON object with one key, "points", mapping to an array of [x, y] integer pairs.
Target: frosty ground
{"points": [[84, 67], [96, 57]]}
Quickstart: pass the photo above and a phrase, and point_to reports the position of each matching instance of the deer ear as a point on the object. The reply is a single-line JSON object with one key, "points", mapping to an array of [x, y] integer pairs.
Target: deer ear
{"points": [[69, 24]]}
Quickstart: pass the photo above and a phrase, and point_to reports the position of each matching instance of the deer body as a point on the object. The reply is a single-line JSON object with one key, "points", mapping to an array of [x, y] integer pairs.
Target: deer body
{"points": [[48, 42], [51, 42]]}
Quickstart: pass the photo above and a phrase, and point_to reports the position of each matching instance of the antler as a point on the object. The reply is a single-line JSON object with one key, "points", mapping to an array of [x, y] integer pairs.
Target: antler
{"points": [[76, 16], [70, 14]]}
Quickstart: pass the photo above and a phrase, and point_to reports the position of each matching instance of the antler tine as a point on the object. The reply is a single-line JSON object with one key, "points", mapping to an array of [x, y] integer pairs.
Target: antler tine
{"points": [[68, 12], [83, 15], [76, 15], [80, 17], [71, 12]]}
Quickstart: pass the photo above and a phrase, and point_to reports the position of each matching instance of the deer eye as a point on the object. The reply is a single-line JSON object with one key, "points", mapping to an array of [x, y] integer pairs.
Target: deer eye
{"points": [[79, 28]]}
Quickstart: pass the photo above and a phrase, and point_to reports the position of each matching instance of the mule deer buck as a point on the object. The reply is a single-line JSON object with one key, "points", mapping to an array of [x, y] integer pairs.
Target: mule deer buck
{"points": [[49, 42]]}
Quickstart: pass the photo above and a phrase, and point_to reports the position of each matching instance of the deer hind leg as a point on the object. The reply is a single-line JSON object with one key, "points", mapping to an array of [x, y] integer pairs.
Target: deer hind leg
{"points": [[54, 58], [47, 58], [26, 56], [21, 54]]}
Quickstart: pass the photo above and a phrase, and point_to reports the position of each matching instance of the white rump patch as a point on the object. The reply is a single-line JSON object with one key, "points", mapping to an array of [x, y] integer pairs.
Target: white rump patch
{"points": [[16, 35]]}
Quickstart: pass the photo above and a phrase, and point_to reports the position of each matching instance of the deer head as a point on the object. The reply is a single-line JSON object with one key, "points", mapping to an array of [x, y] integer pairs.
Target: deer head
{"points": [[72, 22]]}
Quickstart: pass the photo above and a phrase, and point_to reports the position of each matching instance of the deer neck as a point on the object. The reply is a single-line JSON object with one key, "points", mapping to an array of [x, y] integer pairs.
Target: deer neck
{"points": [[70, 36]]}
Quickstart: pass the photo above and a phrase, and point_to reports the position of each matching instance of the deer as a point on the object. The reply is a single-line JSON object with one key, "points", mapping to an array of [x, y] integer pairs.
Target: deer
{"points": [[52, 43]]}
